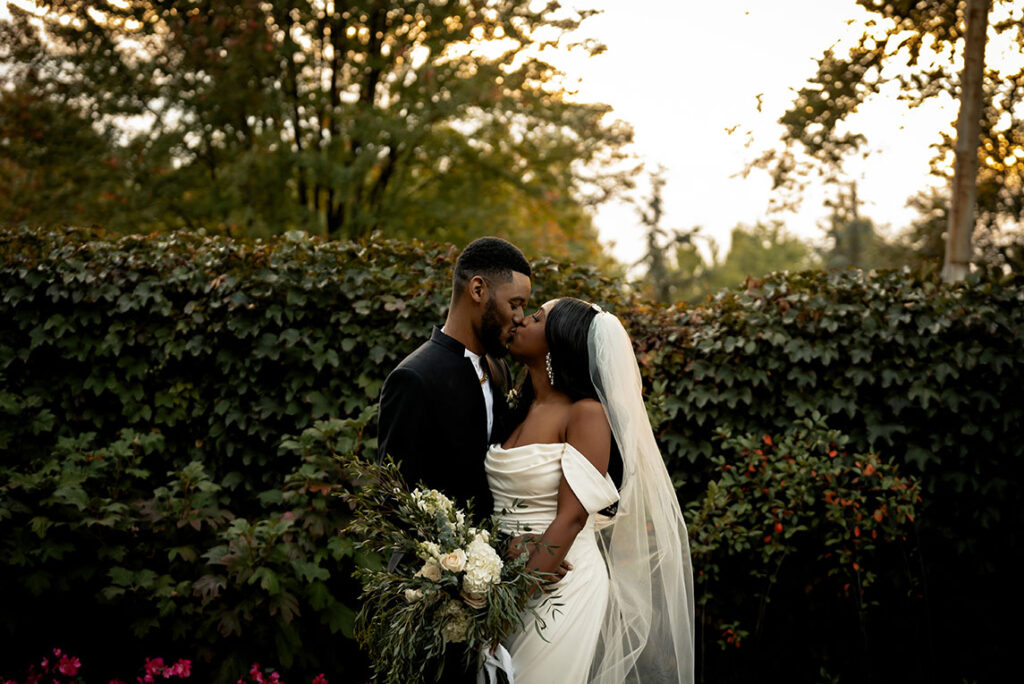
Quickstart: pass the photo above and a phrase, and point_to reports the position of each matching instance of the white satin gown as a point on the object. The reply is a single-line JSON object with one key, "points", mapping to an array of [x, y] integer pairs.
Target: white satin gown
{"points": [[531, 474]]}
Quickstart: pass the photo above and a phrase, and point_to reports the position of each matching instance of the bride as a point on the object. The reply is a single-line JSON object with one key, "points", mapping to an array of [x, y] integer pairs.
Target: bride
{"points": [[597, 495]]}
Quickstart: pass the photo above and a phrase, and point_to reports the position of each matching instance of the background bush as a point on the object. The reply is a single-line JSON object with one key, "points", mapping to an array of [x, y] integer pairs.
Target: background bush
{"points": [[169, 407]]}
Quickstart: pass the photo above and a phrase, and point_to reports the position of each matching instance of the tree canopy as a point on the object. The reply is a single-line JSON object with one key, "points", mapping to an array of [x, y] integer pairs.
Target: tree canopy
{"points": [[433, 119], [910, 48]]}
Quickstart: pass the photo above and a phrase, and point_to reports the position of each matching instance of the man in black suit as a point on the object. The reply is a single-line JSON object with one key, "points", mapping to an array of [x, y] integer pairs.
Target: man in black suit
{"points": [[445, 403]]}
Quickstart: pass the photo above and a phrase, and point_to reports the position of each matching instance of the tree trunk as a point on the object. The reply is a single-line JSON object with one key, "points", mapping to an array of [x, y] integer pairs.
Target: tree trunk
{"points": [[968, 125]]}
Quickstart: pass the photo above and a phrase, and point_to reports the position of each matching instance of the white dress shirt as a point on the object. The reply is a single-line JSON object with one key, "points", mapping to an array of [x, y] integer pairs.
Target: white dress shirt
{"points": [[485, 387]]}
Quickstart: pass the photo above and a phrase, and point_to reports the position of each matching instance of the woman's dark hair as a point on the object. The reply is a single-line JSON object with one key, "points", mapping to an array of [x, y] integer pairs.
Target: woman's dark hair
{"points": [[566, 330]]}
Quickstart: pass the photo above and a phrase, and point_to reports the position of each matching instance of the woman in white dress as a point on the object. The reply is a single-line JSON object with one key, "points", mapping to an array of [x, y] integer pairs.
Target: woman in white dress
{"points": [[624, 612]]}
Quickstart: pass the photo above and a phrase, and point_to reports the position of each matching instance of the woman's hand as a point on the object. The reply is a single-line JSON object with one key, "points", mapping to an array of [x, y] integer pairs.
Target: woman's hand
{"points": [[529, 543]]}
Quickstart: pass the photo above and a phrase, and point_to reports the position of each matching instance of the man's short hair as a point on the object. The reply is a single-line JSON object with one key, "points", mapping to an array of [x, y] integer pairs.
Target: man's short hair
{"points": [[492, 258]]}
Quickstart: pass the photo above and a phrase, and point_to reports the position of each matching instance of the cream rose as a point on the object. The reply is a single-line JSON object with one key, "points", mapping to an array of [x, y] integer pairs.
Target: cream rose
{"points": [[431, 570], [454, 561], [413, 595], [476, 601]]}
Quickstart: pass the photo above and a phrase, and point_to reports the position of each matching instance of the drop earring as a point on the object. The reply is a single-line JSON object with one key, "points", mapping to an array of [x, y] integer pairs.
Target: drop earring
{"points": [[551, 372]]}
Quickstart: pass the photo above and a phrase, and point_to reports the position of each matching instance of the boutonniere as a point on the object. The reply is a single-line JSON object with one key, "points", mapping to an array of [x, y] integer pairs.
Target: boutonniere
{"points": [[512, 397]]}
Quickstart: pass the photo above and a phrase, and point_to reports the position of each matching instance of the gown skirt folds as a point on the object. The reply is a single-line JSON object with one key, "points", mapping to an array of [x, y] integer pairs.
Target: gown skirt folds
{"points": [[571, 622]]}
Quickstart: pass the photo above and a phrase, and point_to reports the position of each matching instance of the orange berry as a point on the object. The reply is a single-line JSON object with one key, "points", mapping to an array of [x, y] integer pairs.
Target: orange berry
{"points": [[778, 528], [767, 439], [856, 531]]}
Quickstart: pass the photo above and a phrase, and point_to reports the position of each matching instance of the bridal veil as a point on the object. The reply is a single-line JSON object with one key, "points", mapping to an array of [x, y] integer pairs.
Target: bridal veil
{"points": [[648, 632]]}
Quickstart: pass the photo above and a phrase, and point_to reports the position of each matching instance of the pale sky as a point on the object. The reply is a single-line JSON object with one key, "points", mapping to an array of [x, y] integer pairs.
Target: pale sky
{"points": [[682, 72]]}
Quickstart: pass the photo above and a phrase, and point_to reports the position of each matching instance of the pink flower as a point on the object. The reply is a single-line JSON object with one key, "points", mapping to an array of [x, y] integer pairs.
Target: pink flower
{"points": [[182, 668], [69, 665], [320, 679]]}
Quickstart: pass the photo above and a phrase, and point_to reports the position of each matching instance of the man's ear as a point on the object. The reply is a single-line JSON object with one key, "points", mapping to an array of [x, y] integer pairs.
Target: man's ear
{"points": [[478, 289]]}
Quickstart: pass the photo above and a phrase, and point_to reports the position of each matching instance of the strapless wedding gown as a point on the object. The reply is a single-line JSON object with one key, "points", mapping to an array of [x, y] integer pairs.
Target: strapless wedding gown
{"points": [[531, 474]]}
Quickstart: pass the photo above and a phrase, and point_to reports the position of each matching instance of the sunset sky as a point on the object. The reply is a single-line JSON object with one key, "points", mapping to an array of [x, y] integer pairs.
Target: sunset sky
{"points": [[682, 73]]}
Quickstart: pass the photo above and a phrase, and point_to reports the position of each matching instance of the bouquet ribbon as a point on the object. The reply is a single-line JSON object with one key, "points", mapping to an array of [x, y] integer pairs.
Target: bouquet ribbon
{"points": [[498, 659]]}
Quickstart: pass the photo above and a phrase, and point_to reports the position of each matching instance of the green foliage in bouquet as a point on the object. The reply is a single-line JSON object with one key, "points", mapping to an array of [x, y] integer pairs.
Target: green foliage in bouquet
{"points": [[450, 584]]}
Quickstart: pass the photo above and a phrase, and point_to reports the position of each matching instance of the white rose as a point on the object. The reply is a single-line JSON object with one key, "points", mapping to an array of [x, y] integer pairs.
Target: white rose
{"points": [[413, 595], [431, 570], [454, 561]]}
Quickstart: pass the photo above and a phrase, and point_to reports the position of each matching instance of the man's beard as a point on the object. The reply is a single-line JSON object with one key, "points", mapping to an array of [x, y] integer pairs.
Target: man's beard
{"points": [[491, 331]]}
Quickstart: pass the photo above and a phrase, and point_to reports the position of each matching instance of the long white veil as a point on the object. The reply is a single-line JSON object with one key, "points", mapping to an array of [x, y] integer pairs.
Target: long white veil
{"points": [[648, 631]]}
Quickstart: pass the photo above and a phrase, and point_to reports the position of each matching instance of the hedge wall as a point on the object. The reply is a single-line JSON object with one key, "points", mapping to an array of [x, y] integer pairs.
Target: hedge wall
{"points": [[167, 466]]}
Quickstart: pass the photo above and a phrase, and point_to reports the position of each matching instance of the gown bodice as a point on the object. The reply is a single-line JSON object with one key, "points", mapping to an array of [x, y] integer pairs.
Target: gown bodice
{"points": [[528, 477]]}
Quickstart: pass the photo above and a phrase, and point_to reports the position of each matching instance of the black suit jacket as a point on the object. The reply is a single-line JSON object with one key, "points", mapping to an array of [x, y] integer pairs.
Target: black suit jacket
{"points": [[433, 419]]}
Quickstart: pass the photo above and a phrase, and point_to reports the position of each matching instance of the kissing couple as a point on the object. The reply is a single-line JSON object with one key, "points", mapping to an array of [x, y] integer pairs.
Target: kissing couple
{"points": [[577, 449]]}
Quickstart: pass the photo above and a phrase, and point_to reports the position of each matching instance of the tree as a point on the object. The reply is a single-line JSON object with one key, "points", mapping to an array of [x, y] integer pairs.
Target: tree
{"points": [[55, 168], [423, 118], [965, 178], [690, 274], [853, 239], [911, 44], [666, 281], [757, 250]]}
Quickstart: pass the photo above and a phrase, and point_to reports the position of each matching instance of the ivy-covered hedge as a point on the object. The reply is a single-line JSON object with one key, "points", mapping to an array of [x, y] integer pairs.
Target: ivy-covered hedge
{"points": [[146, 387], [923, 373], [166, 459]]}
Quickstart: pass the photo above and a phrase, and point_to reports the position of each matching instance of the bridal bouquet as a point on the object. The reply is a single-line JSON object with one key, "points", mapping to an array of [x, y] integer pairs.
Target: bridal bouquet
{"points": [[445, 582]]}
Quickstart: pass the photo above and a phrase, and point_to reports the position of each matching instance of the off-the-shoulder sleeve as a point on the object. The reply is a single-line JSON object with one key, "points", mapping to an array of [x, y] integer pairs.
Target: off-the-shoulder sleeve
{"points": [[594, 490]]}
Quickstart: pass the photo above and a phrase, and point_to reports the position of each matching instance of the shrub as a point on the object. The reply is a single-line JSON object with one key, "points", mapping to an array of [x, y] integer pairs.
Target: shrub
{"points": [[165, 402], [149, 387], [794, 510]]}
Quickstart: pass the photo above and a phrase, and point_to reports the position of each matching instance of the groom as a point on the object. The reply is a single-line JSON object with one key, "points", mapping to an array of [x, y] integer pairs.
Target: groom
{"points": [[445, 403]]}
